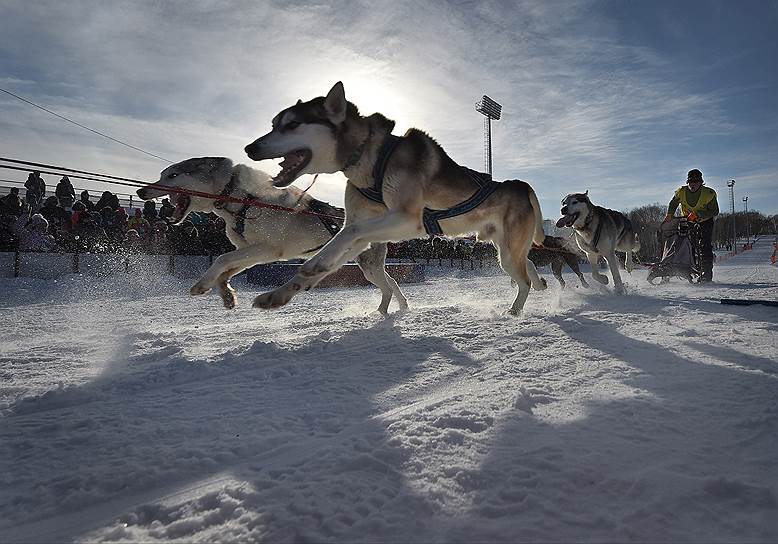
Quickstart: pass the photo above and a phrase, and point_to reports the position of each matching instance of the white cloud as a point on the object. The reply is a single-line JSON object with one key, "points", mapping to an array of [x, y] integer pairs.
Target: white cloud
{"points": [[581, 108]]}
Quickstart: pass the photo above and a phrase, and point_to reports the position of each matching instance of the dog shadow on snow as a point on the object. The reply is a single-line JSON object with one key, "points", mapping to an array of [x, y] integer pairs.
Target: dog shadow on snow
{"points": [[289, 438], [659, 441]]}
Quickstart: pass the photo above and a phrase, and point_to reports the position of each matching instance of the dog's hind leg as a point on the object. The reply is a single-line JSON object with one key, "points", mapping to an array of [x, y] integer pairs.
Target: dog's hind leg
{"points": [[348, 243], [515, 265], [629, 266], [556, 268], [372, 261], [572, 262], [538, 283]]}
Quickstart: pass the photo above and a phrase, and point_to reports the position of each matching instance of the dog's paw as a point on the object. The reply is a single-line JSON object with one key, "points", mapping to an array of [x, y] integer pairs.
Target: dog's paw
{"points": [[230, 299], [513, 312], [602, 279], [199, 289], [273, 299]]}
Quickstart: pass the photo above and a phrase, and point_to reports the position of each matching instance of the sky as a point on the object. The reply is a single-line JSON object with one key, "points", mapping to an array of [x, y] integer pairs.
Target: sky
{"points": [[618, 98]]}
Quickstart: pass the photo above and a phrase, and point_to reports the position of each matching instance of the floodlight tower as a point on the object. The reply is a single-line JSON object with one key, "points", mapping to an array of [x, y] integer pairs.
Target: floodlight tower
{"points": [[731, 185], [491, 110], [748, 225]]}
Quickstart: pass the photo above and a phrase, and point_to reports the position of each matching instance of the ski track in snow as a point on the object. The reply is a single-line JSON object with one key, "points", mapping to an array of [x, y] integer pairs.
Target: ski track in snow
{"points": [[134, 412]]}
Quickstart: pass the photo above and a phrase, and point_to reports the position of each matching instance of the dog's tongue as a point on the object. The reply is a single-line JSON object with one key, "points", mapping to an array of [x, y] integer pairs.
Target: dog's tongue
{"points": [[565, 221], [291, 159]]}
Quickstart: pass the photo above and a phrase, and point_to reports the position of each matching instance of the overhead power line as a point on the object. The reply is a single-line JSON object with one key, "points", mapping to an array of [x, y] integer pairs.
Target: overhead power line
{"points": [[84, 126]]}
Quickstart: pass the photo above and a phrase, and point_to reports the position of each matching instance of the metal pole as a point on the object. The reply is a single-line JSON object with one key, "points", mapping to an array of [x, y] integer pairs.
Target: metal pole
{"points": [[488, 129], [748, 223], [731, 185]]}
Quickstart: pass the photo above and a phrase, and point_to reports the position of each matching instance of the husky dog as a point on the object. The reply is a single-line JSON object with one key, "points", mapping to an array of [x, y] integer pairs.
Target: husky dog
{"points": [[556, 253], [399, 188], [600, 232], [260, 234]]}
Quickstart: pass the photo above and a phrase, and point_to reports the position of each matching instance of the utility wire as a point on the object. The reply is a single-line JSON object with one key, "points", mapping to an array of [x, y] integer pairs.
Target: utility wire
{"points": [[84, 127], [38, 164]]}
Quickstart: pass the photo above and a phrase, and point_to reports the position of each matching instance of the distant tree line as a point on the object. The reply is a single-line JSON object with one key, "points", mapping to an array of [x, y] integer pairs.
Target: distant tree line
{"points": [[647, 219]]}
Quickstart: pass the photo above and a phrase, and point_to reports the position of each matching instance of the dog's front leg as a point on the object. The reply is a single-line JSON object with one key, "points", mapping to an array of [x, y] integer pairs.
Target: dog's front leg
{"points": [[594, 263], [348, 243], [613, 264], [226, 266]]}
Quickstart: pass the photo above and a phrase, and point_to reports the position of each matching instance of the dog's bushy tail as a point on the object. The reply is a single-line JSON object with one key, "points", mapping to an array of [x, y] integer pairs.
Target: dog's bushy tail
{"points": [[538, 236]]}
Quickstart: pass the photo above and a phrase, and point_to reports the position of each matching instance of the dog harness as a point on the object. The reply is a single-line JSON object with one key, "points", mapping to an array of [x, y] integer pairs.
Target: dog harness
{"points": [[316, 206], [431, 218], [240, 215], [597, 232]]}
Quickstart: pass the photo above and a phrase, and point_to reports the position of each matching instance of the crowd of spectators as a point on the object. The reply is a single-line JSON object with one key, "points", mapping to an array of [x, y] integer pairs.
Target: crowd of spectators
{"points": [[60, 223]]}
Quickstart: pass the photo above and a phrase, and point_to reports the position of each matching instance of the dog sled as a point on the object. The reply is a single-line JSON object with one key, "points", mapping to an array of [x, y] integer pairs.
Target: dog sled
{"points": [[680, 253]]}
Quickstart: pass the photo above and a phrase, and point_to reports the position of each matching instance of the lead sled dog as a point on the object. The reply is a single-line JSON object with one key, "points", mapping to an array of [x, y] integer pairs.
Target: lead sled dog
{"points": [[398, 188], [260, 234], [600, 232]]}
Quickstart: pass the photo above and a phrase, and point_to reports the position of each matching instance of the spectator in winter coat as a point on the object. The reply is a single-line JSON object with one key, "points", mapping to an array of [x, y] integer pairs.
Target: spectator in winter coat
{"points": [[36, 189], [150, 211], [65, 193], [88, 233], [159, 242], [166, 210], [33, 233], [57, 217], [88, 204], [78, 209], [138, 223], [107, 199], [11, 204]]}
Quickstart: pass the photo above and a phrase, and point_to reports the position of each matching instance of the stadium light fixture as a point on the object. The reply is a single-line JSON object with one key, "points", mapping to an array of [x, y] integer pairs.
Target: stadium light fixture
{"points": [[490, 110]]}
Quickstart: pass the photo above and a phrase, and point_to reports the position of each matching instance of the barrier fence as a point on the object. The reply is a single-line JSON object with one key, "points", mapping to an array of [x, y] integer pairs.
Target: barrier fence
{"points": [[56, 265]]}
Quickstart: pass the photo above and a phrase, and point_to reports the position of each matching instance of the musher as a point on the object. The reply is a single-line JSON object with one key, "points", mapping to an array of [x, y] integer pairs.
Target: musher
{"points": [[698, 205]]}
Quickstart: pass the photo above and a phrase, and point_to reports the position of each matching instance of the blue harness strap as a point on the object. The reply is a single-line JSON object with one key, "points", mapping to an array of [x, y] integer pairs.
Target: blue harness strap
{"points": [[486, 186], [376, 193]]}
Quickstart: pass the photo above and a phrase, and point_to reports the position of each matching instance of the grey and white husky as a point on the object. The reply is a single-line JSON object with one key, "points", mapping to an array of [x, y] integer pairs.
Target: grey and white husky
{"points": [[600, 232], [260, 234], [399, 188]]}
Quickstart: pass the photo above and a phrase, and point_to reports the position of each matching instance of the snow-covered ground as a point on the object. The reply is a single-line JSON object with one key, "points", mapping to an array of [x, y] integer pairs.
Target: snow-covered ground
{"points": [[131, 411]]}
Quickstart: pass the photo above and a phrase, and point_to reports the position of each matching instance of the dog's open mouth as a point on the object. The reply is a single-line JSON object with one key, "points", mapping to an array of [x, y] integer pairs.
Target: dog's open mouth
{"points": [[182, 207], [291, 166], [567, 220]]}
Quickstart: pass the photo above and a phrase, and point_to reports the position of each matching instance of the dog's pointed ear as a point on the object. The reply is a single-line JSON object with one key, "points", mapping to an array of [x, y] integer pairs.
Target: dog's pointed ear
{"points": [[586, 194], [335, 104], [299, 101]]}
